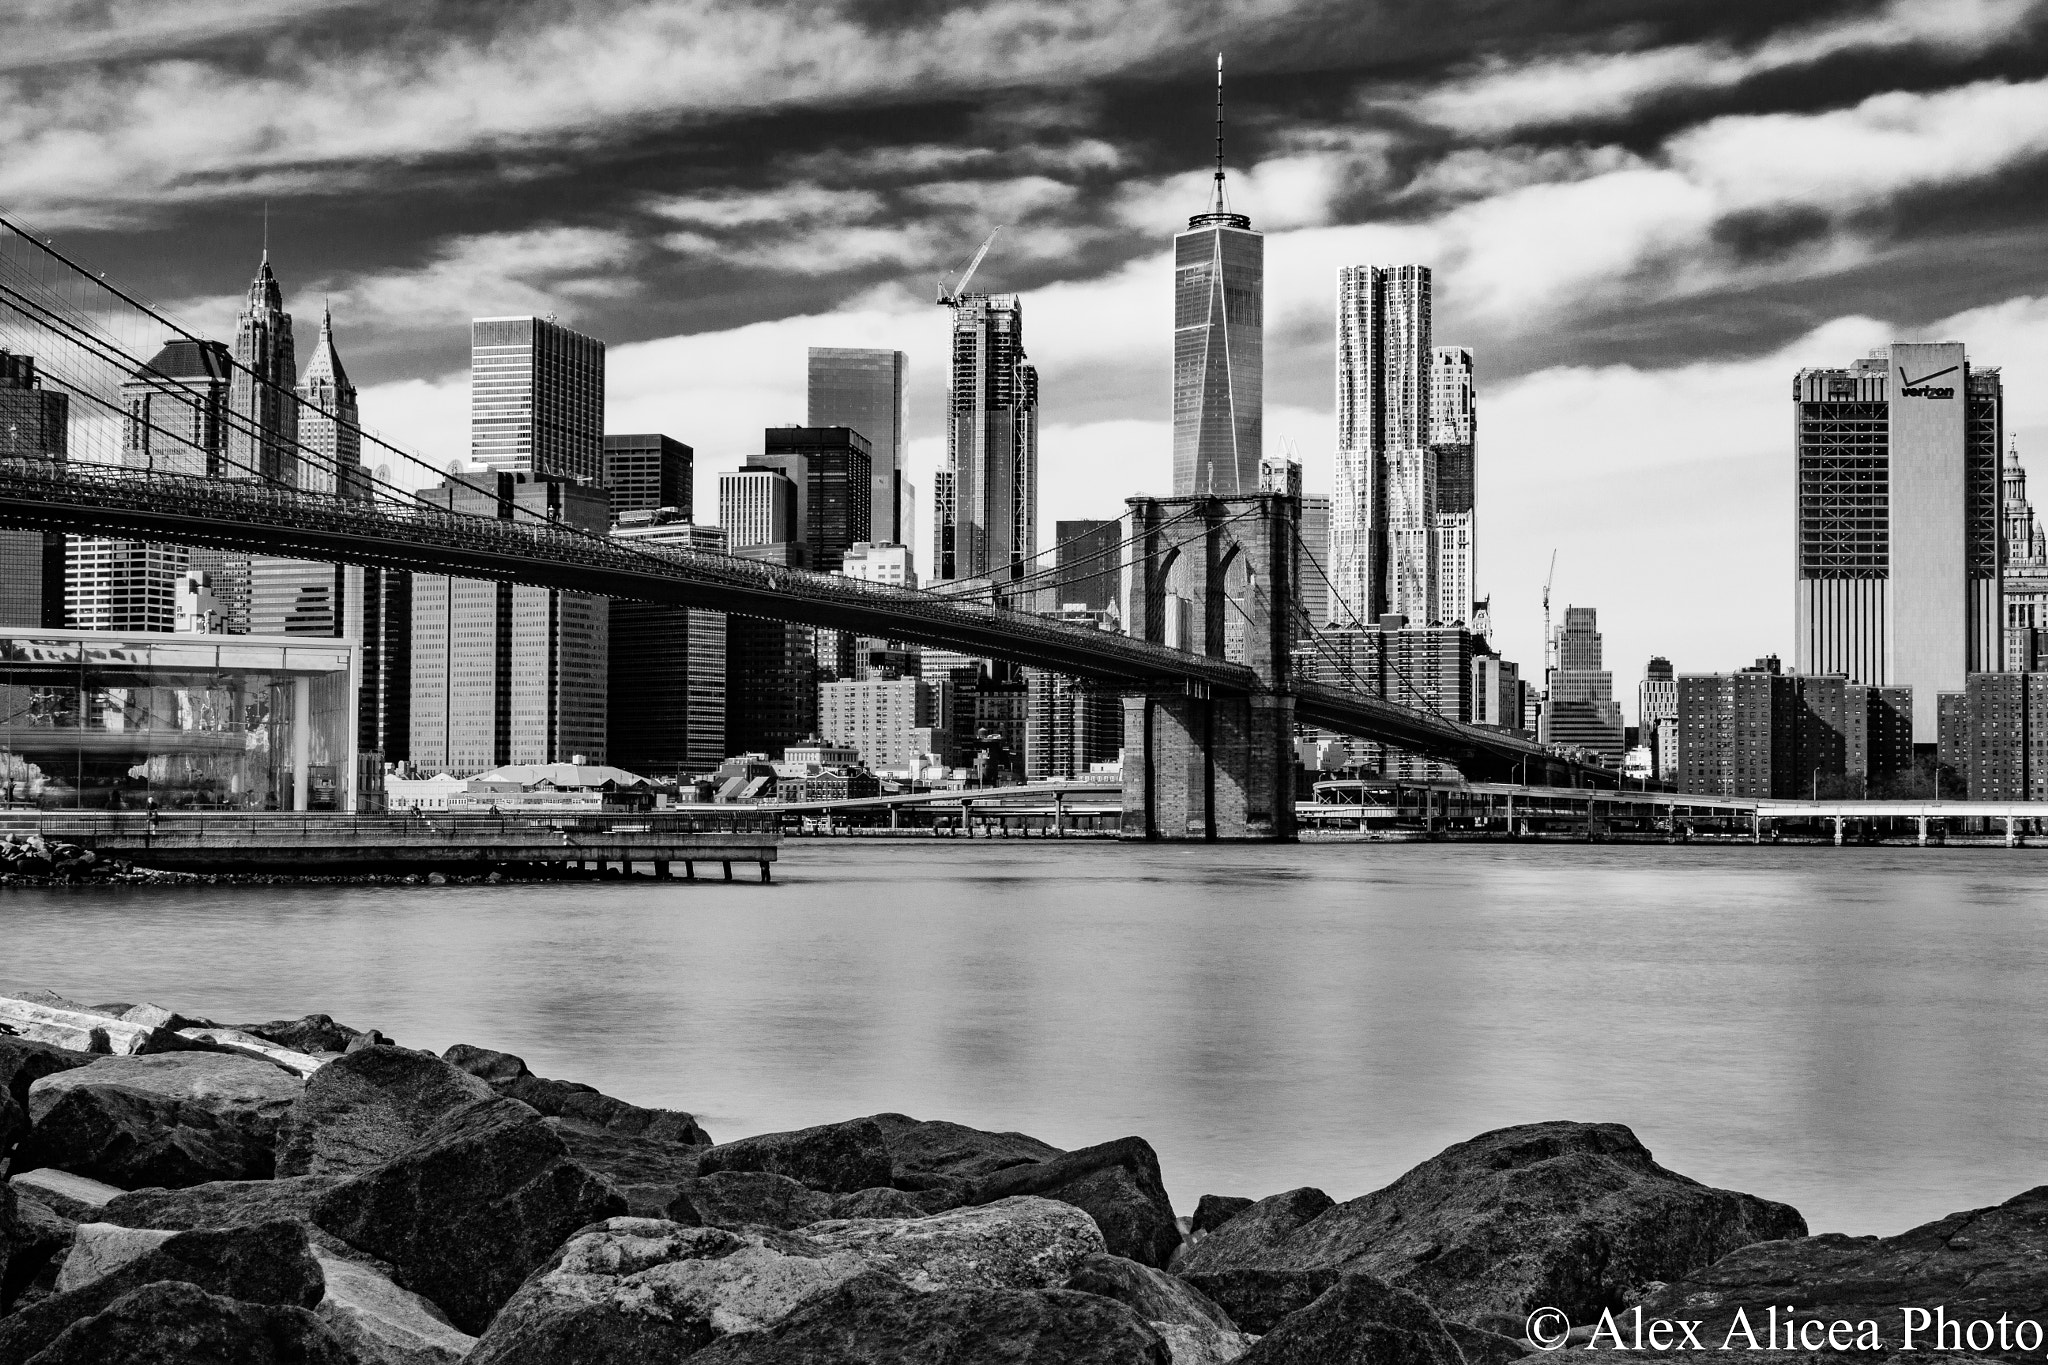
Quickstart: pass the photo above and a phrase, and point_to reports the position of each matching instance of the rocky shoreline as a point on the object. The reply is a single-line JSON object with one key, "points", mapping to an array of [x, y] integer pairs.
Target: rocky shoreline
{"points": [[180, 1191]]}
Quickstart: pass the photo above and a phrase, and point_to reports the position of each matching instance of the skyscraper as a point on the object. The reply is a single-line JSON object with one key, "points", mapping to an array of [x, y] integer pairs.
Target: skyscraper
{"points": [[175, 415], [985, 498], [329, 430], [2024, 571], [1088, 563], [648, 471], [757, 506], [502, 672], [1898, 492], [263, 413], [830, 468], [536, 398], [1580, 711], [1219, 344], [34, 423], [294, 596], [666, 714], [1383, 513], [864, 390], [1453, 435]]}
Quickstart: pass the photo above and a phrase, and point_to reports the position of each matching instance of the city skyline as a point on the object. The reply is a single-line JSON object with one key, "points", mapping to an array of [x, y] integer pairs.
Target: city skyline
{"points": [[1770, 193]]}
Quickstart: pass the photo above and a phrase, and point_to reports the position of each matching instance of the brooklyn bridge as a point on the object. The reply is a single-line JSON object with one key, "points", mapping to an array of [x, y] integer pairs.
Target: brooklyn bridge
{"points": [[1209, 725]]}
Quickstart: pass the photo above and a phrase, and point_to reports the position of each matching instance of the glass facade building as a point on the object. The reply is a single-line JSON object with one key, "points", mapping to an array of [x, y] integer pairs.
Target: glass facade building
{"points": [[1219, 354], [863, 389], [536, 399], [92, 719]]}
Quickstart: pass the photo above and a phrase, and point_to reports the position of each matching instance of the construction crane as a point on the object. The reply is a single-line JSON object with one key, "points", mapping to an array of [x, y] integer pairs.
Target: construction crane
{"points": [[950, 298], [1549, 644]]}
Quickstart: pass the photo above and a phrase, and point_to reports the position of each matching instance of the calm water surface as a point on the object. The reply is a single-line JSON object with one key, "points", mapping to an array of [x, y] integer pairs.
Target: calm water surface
{"points": [[1862, 1033]]}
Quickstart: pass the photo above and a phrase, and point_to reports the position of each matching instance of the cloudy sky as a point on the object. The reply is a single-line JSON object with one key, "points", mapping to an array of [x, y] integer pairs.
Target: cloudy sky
{"points": [[1642, 216]]}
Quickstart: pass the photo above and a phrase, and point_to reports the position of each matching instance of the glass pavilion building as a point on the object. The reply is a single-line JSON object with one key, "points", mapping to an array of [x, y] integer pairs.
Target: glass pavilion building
{"points": [[91, 719]]}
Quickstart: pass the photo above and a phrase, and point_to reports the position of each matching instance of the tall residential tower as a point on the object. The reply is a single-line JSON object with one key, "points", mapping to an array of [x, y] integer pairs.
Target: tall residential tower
{"points": [[1383, 512], [1453, 435], [985, 498]]}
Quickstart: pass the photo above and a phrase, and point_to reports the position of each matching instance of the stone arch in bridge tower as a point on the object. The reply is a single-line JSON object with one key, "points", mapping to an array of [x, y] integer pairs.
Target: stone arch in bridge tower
{"points": [[1218, 577]]}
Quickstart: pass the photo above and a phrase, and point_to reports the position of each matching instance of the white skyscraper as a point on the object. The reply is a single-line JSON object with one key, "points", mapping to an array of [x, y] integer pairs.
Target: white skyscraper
{"points": [[1383, 514], [1454, 428]]}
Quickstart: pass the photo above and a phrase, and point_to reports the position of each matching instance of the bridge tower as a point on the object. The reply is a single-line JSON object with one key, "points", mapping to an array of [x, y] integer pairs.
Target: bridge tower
{"points": [[1214, 576]]}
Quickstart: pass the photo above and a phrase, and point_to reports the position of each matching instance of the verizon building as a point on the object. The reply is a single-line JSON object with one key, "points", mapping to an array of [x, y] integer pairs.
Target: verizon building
{"points": [[1898, 521]]}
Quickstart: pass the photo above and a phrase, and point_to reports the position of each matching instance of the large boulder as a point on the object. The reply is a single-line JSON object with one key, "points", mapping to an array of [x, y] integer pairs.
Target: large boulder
{"points": [[382, 1324], [1360, 1320], [508, 1075], [1977, 1265], [747, 1199], [270, 1263], [1116, 1183], [83, 1028], [1574, 1216], [1195, 1327], [173, 1323], [643, 1289], [837, 1158], [1212, 1211], [170, 1119], [1021, 1243], [23, 1062], [637, 1288], [101, 1248], [472, 1208], [220, 1203], [934, 1150], [874, 1319], [649, 1172], [314, 1033], [34, 1241], [365, 1107], [76, 1197]]}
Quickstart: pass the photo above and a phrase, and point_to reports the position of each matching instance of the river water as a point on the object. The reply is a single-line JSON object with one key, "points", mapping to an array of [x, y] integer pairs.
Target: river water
{"points": [[1862, 1033]]}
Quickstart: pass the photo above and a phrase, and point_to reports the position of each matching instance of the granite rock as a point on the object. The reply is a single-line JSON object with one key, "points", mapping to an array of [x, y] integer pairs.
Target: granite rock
{"points": [[366, 1107], [473, 1207], [1569, 1215], [740, 1199], [649, 1172], [270, 1263], [880, 1202], [75, 1197], [873, 1319], [1212, 1211], [644, 1289], [1360, 1320], [382, 1324], [1977, 1264], [1195, 1327], [169, 1119], [314, 1033], [508, 1075], [1019, 1243], [1116, 1183], [23, 1062], [172, 1323], [99, 1249], [836, 1158]]}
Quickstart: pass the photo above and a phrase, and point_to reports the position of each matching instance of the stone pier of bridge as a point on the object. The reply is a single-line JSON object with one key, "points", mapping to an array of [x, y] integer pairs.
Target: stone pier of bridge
{"points": [[1215, 576]]}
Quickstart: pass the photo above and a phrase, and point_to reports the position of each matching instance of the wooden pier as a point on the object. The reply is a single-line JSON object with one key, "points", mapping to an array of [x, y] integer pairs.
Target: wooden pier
{"points": [[227, 841]]}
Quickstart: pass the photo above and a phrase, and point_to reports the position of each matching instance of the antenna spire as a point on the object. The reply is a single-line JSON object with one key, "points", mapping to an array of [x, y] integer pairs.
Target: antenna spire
{"points": [[1221, 205], [266, 213]]}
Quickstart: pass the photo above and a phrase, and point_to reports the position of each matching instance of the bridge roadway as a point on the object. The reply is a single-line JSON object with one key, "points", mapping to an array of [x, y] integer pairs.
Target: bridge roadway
{"points": [[183, 509]]}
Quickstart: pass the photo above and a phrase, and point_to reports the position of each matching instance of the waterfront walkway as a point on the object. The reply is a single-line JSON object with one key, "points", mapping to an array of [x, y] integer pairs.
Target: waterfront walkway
{"points": [[317, 842]]}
